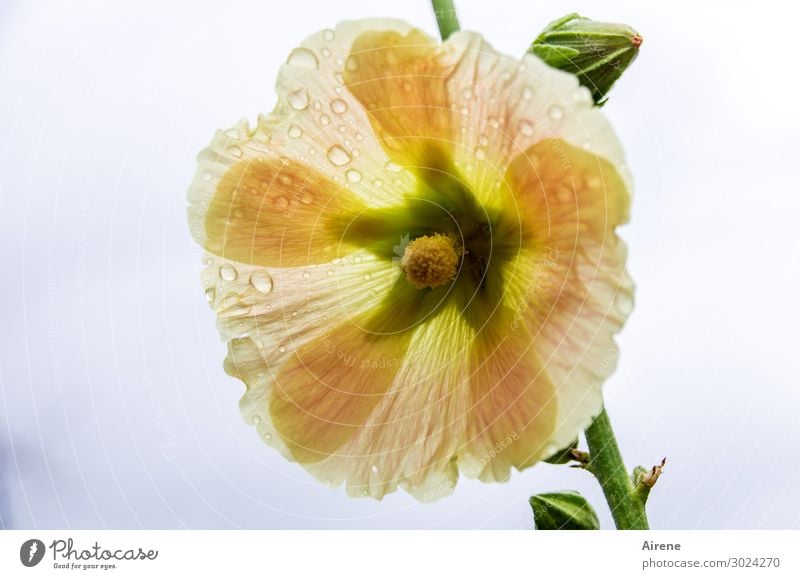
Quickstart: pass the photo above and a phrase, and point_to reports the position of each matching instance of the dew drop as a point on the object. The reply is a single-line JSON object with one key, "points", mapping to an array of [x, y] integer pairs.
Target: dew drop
{"points": [[298, 99], [527, 93], [281, 203], [303, 58], [330, 272], [328, 34], [393, 167], [211, 293], [526, 128], [480, 154], [556, 112], [261, 281], [325, 52], [466, 93], [375, 469], [235, 150], [338, 106], [378, 183], [338, 156], [228, 272], [483, 140], [256, 420], [352, 63], [324, 120], [353, 176], [282, 349], [295, 132], [306, 274], [268, 436]]}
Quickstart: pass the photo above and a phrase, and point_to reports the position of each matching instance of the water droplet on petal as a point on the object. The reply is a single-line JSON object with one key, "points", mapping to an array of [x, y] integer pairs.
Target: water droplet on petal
{"points": [[353, 176], [298, 99], [210, 294], [526, 128], [306, 274], [378, 183], [375, 469], [480, 154], [556, 112], [338, 156], [235, 150], [466, 93], [527, 93], [325, 120], [303, 58], [393, 167], [338, 106], [256, 420], [262, 281], [282, 349], [281, 203], [352, 63], [268, 436], [325, 52], [295, 132], [328, 34], [228, 272]]}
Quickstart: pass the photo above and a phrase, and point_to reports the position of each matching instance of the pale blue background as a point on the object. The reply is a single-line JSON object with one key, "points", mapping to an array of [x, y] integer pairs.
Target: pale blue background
{"points": [[114, 409]]}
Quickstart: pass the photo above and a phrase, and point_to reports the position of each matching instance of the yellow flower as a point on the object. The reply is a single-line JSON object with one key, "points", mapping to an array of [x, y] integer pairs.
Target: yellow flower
{"points": [[413, 259]]}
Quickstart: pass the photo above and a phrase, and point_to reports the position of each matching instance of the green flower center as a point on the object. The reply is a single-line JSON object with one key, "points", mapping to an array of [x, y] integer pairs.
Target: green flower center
{"points": [[459, 247]]}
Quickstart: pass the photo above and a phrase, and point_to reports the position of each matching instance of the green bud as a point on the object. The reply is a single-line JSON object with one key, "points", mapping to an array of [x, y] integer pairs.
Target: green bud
{"points": [[563, 456], [567, 510], [596, 52]]}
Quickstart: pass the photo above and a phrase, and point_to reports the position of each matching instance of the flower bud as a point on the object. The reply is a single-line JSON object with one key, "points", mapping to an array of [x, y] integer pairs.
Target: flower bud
{"points": [[596, 52], [565, 510]]}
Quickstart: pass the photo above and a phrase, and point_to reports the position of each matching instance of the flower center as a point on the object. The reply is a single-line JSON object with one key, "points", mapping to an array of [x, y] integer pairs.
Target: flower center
{"points": [[431, 260]]}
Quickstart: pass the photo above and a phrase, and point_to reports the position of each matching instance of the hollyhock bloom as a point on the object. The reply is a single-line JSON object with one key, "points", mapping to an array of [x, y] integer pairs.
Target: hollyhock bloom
{"points": [[413, 259]]}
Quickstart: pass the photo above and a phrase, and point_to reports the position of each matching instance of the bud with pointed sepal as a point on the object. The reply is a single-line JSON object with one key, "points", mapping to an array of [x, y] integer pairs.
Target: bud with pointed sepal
{"points": [[565, 510], [596, 52]]}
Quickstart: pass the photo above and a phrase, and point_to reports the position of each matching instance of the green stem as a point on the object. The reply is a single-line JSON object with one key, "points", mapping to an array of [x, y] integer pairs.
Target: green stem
{"points": [[627, 507], [446, 17]]}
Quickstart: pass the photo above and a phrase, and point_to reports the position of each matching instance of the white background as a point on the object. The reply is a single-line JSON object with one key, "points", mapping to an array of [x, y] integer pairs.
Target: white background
{"points": [[114, 409]]}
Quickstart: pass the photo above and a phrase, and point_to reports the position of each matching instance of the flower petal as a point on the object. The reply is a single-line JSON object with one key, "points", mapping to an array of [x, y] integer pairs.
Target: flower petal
{"points": [[413, 436], [318, 131], [513, 405], [401, 80], [267, 315], [571, 288], [278, 214]]}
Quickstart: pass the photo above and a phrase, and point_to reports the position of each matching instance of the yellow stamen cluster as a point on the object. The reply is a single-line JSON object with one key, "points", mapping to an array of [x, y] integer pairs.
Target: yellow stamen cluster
{"points": [[430, 261]]}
